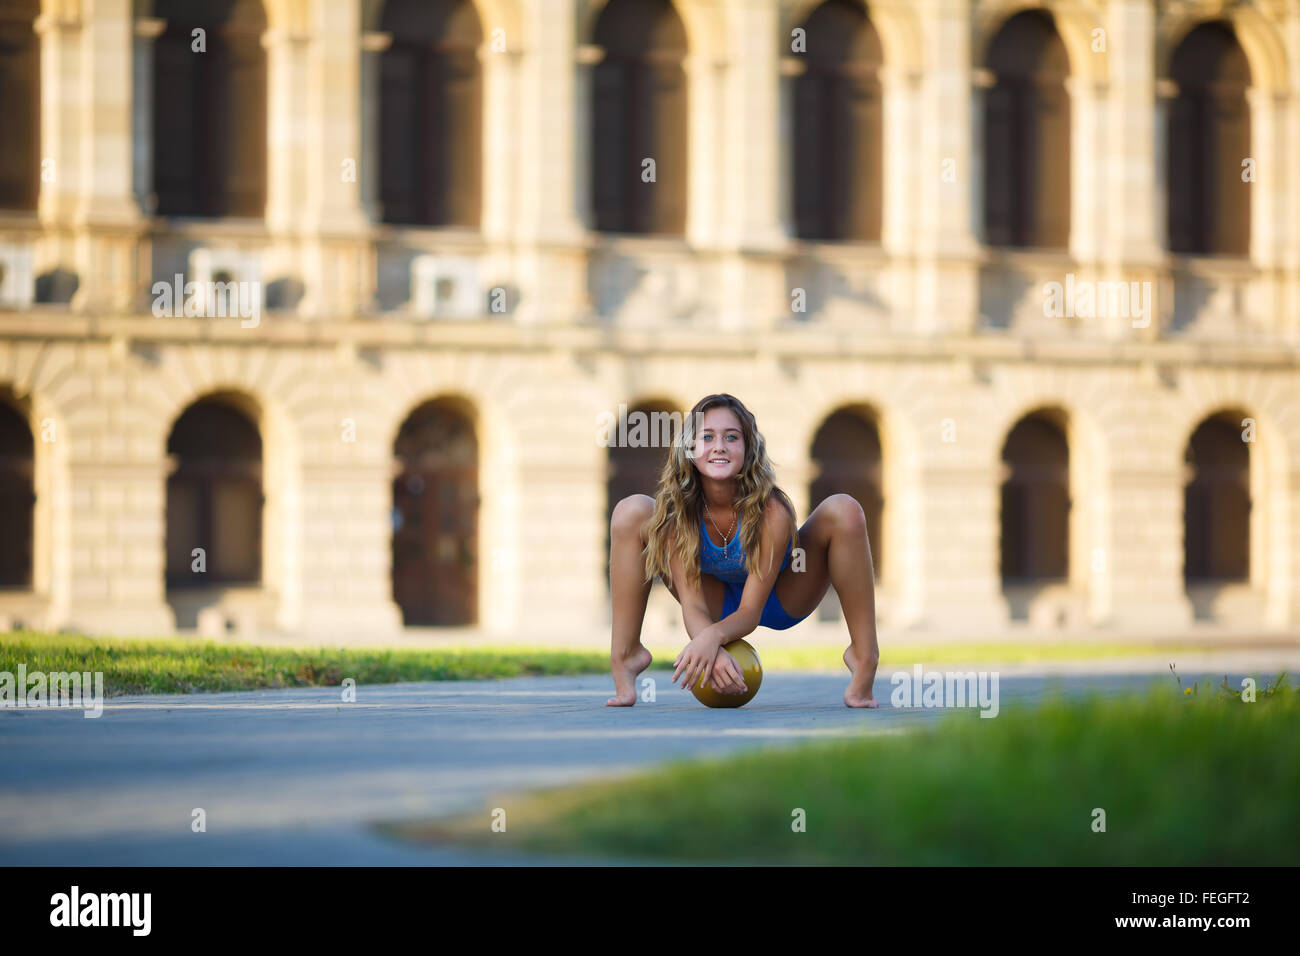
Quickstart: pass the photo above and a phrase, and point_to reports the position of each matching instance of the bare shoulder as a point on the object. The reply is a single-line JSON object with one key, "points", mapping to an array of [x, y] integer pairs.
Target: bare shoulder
{"points": [[776, 519]]}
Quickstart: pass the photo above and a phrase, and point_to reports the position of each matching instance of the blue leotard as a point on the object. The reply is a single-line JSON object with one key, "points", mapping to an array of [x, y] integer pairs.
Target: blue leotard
{"points": [[728, 566]]}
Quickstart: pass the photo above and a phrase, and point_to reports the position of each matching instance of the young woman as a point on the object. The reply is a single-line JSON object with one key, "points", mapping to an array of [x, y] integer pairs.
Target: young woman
{"points": [[713, 532]]}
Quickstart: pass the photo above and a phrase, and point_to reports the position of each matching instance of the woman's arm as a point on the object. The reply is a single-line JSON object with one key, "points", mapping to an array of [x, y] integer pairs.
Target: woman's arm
{"points": [[776, 531], [695, 610], [774, 536]]}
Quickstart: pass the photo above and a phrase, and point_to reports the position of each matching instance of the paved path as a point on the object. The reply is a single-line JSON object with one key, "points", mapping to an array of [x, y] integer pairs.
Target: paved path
{"points": [[293, 777]]}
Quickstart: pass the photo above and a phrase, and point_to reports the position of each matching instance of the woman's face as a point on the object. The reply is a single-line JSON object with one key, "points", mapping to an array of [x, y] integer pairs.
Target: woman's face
{"points": [[719, 445]]}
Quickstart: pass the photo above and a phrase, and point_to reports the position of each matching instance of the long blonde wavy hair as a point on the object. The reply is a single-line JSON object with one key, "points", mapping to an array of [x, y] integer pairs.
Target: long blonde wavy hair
{"points": [[679, 497]]}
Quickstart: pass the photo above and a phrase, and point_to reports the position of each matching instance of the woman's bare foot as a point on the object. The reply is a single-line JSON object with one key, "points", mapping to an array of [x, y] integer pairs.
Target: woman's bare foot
{"points": [[625, 673], [860, 685]]}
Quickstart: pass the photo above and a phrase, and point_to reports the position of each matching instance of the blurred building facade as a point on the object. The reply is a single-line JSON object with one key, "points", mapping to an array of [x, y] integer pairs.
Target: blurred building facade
{"points": [[1022, 277]]}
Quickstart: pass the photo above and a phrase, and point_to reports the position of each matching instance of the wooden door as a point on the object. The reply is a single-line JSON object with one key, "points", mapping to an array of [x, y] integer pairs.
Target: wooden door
{"points": [[435, 518]]}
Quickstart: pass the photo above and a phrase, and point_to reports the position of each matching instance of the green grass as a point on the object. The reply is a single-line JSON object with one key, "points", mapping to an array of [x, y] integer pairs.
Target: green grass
{"points": [[1182, 779], [181, 666]]}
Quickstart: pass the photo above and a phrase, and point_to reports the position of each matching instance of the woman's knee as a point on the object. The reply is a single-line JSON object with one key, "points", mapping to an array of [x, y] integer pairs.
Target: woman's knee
{"points": [[847, 512], [631, 514]]}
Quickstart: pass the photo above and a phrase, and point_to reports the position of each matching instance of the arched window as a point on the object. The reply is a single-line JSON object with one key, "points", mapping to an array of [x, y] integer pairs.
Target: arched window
{"points": [[17, 498], [214, 496], [1209, 136], [1035, 502], [847, 454], [639, 114], [209, 109], [435, 516], [837, 148], [635, 465], [1216, 503], [20, 99], [430, 128], [1027, 136]]}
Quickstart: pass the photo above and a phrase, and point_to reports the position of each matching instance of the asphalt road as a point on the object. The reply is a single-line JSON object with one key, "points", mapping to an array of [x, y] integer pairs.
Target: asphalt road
{"points": [[295, 777]]}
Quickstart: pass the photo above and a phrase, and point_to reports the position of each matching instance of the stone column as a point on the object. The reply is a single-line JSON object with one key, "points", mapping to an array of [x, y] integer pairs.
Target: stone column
{"points": [[343, 577], [286, 141], [110, 536], [755, 120], [556, 584], [338, 122], [62, 172], [105, 121], [950, 187], [752, 114], [1134, 187], [552, 82], [704, 147], [334, 270], [1265, 206], [1088, 180], [501, 154], [959, 553], [1144, 565]]}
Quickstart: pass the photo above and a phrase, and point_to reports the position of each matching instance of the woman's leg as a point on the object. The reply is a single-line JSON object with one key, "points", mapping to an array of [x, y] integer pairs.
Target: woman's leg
{"points": [[628, 595], [837, 552]]}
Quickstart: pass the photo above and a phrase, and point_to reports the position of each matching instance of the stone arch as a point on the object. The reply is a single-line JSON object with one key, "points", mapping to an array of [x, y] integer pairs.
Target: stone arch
{"points": [[430, 89], [214, 532], [840, 471], [1209, 130], [493, 14], [652, 404], [277, 599], [292, 15], [636, 470], [898, 25], [705, 23], [640, 106], [900, 466], [436, 537], [839, 122], [213, 159], [1271, 465], [413, 383], [1074, 22], [1257, 33], [1079, 600], [1027, 119]]}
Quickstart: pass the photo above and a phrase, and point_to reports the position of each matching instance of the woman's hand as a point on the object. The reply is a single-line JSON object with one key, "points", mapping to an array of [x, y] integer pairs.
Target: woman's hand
{"points": [[695, 662], [728, 676], [703, 660]]}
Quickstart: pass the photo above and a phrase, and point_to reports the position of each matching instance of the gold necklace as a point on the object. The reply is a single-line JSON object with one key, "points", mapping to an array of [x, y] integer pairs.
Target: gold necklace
{"points": [[726, 538]]}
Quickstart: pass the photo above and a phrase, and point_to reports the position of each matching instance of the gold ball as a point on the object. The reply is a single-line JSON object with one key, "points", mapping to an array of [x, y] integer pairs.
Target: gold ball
{"points": [[750, 665]]}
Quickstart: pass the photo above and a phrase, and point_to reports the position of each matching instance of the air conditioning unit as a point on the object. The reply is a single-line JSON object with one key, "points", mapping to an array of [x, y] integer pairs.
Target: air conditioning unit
{"points": [[214, 269], [17, 282], [446, 287]]}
